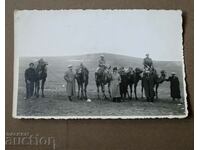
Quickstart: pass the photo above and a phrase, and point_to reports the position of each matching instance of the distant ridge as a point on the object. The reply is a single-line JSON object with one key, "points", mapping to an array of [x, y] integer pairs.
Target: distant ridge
{"points": [[97, 55]]}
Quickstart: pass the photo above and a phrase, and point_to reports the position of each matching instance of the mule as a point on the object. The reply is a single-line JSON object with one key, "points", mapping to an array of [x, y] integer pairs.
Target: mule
{"points": [[41, 75], [134, 76], [103, 77], [82, 78]]}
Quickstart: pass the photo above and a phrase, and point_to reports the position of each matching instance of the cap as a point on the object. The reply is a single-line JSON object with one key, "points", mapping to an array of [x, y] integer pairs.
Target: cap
{"points": [[31, 64], [69, 66], [173, 73]]}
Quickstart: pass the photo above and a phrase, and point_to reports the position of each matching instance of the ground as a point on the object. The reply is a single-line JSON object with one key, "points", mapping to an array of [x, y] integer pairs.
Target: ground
{"points": [[56, 104]]}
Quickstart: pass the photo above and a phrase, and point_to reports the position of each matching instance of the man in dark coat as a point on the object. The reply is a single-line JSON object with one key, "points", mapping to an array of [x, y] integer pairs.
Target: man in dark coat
{"points": [[29, 80], [174, 86]]}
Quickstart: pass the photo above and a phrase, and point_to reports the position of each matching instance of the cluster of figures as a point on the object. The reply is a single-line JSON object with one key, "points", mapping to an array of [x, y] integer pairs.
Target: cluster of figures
{"points": [[118, 80]]}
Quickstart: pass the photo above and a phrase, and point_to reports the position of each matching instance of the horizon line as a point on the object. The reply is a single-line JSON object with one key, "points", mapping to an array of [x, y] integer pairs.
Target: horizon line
{"points": [[73, 55]]}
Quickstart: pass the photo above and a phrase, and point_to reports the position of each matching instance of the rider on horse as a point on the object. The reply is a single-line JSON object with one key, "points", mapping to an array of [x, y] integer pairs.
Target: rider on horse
{"points": [[101, 64], [148, 63]]}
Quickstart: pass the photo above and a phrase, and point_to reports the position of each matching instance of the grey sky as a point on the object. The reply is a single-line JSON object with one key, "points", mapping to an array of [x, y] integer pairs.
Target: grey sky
{"points": [[74, 32]]}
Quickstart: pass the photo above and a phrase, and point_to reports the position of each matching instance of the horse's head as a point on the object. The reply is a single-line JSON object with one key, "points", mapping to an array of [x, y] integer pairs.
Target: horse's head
{"points": [[138, 71], [82, 73]]}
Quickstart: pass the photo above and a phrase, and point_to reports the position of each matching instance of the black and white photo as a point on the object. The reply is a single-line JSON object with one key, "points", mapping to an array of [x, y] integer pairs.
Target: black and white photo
{"points": [[102, 64]]}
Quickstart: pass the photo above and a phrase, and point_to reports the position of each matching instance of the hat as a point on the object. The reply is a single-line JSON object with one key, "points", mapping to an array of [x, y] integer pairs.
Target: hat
{"points": [[69, 66], [101, 55], [31, 64], [173, 73], [147, 54]]}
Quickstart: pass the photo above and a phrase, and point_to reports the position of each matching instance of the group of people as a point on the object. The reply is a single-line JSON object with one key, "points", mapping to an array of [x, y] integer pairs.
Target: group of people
{"points": [[116, 79], [70, 77]]}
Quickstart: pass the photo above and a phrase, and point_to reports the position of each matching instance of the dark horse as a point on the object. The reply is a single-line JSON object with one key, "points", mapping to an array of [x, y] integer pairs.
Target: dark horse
{"points": [[124, 83], [103, 77], [82, 77], [133, 76], [41, 75], [150, 80]]}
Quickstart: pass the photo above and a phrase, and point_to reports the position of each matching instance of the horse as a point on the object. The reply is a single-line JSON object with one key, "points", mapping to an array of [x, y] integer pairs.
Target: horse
{"points": [[151, 80], [41, 75], [133, 76], [82, 77], [159, 80], [102, 77]]}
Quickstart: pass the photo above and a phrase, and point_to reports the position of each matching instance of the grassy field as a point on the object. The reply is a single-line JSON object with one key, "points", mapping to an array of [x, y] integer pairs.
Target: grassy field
{"points": [[56, 104]]}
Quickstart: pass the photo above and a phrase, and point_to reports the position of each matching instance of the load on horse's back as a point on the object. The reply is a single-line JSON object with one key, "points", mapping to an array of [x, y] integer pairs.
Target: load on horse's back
{"points": [[82, 77], [41, 75]]}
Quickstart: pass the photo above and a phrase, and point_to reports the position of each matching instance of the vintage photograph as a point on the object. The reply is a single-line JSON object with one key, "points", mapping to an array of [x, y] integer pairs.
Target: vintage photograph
{"points": [[102, 64]]}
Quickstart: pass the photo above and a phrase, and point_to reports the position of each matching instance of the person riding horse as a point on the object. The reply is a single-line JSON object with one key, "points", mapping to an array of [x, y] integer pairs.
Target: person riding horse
{"points": [[148, 63], [101, 64]]}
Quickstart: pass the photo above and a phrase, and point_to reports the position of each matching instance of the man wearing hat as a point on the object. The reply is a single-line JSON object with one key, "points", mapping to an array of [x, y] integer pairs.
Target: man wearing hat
{"points": [[174, 86], [29, 80], [70, 79], [148, 63]]}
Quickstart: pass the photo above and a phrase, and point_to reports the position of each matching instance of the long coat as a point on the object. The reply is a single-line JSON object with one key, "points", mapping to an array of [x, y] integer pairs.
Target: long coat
{"points": [[174, 87], [70, 86], [115, 89], [148, 83]]}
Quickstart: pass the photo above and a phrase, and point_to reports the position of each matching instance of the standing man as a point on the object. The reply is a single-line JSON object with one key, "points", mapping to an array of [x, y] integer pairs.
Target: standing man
{"points": [[148, 63], [70, 79], [174, 86], [29, 80]]}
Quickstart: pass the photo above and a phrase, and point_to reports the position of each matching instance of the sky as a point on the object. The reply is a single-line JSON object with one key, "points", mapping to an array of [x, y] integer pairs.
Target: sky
{"points": [[76, 32]]}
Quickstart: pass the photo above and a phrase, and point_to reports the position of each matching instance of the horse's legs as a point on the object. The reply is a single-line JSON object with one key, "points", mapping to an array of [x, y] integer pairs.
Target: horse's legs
{"points": [[103, 90], [78, 91], [37, 86], [42, 86], [85, 90], [131, 90], [157, 85], [109, 90], [81, 90], [135, 91], [127, 92], [98, 91], [142, 89]]}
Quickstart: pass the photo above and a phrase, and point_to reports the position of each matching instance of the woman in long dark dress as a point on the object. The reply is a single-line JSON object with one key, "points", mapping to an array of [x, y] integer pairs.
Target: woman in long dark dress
{"points": [[174, 86]]}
